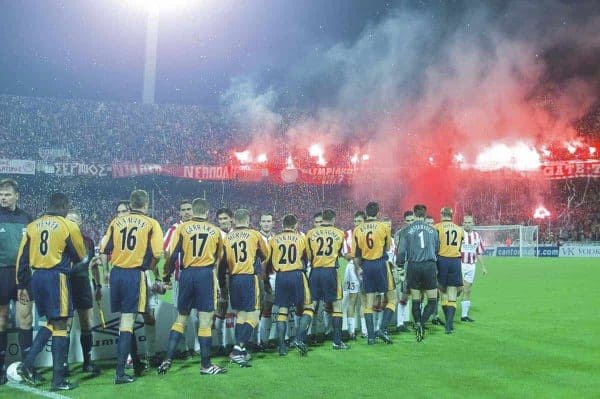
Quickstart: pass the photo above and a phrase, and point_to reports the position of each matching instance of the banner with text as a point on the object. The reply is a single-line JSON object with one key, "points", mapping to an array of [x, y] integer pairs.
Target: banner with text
{"points": [[581, 251], [571, 169], [195, 172], [17, 166], [79, 169]]}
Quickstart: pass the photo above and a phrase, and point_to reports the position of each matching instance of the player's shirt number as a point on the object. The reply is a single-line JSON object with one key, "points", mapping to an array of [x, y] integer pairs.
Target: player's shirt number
{"points": [[289, 254]]}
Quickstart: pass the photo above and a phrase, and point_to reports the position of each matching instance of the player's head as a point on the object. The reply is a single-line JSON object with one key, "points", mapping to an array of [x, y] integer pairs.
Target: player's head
{"points": [[372, 209], [468, 223], [200, 208], [328, 217], [74, 215], [241, 218], [359, 218], [318, 219], [446, 213], [290, 222], [138, 201], [185, 210], [429, 220], [409, 217], [9, 194], [387, 221], [225, 219], [266, 222], [123, 208], [420, 211], [58, 204]]}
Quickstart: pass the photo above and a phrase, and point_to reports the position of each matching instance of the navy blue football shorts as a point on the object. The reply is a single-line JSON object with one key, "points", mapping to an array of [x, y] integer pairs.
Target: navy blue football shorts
{"points": [[244, 292], [324, 284], [291, 289], [449, 272], [51, 293], [197, 289], [128, 290], [377, 276]]}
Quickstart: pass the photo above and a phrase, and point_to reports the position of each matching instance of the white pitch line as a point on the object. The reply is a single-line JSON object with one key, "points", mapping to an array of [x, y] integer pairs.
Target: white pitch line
{"points": [[35, 391]]}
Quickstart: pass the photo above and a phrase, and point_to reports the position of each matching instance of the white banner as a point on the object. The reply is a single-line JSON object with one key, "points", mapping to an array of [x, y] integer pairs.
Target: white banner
{"points": [[17, 166], [582, 251]]}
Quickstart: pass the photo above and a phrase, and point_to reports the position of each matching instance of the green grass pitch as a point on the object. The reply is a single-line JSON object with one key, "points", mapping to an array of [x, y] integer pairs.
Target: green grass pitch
{"points": [[535, 336]]}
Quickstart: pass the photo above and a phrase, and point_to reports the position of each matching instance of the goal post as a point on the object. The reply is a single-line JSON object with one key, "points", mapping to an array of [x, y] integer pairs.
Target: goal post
{"points": [[511, 240]]}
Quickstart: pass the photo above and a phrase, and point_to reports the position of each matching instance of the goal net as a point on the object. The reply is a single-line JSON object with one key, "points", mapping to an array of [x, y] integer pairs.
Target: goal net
{"points": [[511, 240]]}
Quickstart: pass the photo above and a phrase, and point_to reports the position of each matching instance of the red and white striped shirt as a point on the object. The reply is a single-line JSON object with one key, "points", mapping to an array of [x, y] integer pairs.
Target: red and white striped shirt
{"points": [[167, 244], [471, 247], [347, 248]]}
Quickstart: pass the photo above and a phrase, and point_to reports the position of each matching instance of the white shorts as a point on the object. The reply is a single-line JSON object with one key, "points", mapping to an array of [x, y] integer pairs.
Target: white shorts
{"points": [[468, 272], [153, 299], [351, 281]]}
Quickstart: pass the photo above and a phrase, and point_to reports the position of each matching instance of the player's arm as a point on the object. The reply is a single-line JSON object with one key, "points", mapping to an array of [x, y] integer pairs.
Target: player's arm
{"points": [[156, 246], [106, 247], [222, 267], [480, 252], [23, 275], [172, 255], [264, 252], [75, 246], [388, 239], [309, 252], [356, 252], [401, 251]]}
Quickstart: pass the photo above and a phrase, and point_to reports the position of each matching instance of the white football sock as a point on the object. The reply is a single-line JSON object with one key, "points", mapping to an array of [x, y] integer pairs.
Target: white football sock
{"points": [[265, 328], [465, 305], [399, 315], [363, 326], [351, 325]]}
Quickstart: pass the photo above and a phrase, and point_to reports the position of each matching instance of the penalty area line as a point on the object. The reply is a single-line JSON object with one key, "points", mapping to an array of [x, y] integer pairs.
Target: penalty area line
{"points": [[34, 391]]}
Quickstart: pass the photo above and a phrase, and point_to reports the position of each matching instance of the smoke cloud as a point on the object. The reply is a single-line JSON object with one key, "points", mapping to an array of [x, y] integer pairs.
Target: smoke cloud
{"points": [[428, 82]]}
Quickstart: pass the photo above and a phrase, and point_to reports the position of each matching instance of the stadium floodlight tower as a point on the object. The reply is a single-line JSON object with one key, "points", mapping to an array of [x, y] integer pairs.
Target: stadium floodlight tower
{"points": [[154, 8]]}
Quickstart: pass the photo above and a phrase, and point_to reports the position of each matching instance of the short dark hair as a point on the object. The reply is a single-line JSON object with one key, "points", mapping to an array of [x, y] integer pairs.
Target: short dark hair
{"points": [[420, 210], [227, 211], [372, 209], [408, 213], [138, 199], [429, 217], [318, 215], [8, 182], [289, 221], [328, 215], [266, 214], [359, 214], [184, 201], [58, 203]]}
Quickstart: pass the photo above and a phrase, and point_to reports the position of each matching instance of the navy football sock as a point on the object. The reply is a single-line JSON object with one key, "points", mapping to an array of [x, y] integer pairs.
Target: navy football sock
{"points": [[41, 339], [303, 327], [281, 327], [123, 349], [239, 335], [59, 358], [337, 329], [430, 309], [205, 343], [370, 326], [25, 341], [3, 346], [385, 319], [172, 344], [86, 346], [416, 311]]}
